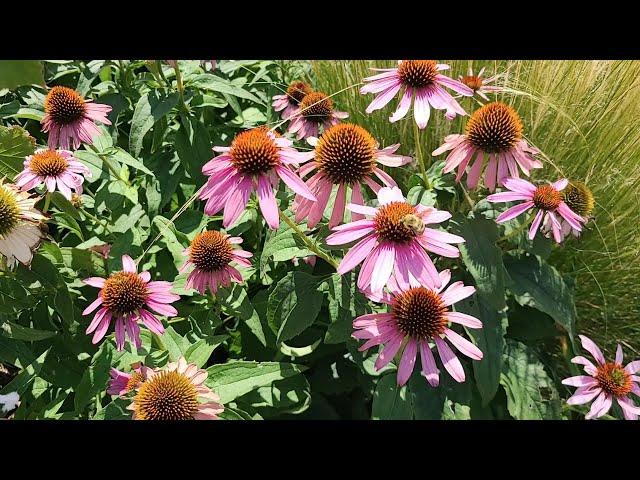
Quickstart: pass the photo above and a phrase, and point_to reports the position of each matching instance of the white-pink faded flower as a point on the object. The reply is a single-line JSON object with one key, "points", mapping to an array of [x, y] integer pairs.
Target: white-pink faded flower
{"points": [[394, 242], [546, 198], [605, 382], [315, 110], [9, 402], [256, 160], [417, 79], [124, 298], [176, 392], [479, 85], [288, 103], [348, 156], [20, 233], [211, 254], [494, 131], [419, 317], [53, 168], [121, 383], [580, 201], [70, 119]]}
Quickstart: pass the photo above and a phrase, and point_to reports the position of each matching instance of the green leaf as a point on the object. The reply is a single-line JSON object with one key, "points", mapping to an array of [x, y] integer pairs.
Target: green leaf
{"points": [[149, 109], [294, 304], [175, 344], [531, 394], [18, 332], [64, 205], [95, 378], [193, 146], [21, 382], [482, 257], [15, 145], [216, 84], [116, 410], [290, 395], [200, 351], [391, 402], [530, 325], [535, 283], [123, 157], [345, 303], [282, 245], [427, 402], [490, 340], [15, 73], [231, 380], [420, 195]]}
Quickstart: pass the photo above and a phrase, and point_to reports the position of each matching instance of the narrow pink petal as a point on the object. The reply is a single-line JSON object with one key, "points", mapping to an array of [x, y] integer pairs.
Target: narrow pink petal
{"points": [[463, 345], [294, 183], [128, 265], [580, 381], [389, 351], [97, 282], [383, 266], [95, 304], [513, 212], [449, 360], [338, 207], [592, 348], [407, 362], [357, 253], [267, 201], [429, 368]]}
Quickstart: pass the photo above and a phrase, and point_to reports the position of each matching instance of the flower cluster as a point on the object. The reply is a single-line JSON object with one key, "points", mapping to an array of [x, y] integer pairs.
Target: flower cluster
{"points": [[399, 247]]}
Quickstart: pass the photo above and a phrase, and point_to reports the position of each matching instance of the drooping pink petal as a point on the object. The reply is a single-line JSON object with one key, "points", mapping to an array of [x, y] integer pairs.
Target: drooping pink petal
{"points": [[463, 345], [357, 253], [429, 368], [407, 362], [449, 360], [389, 351], [128, 265], [513, 212]]}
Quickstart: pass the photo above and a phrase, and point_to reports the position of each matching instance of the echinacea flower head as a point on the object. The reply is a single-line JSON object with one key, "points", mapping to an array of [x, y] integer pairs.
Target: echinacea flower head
{"points": [[346, 155], [256, 160], [121, 383], [479, 84], [421, 84], [419, 317], [605, 382], [53, 168], [211, 253], [494, 131], [579, 199], [176, 392], [546, 199], [70, 119], [288, 102], [395, 240], [124, 298], [315, 110], [20, 232]]}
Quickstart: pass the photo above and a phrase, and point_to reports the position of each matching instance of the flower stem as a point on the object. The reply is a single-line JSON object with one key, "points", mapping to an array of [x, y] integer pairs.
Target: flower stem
{"points": [[104, 225], [423, 170], [180, 87], [111, 168], [308, 242], [47, 200]]}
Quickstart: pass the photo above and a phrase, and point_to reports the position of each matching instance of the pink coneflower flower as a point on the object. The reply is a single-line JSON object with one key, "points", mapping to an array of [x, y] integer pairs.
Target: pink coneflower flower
{"points": [[494, 130], [255, 160], [123, 298], [211, 253], [314, 111], [418, 316], [479, 85], [419, 78], [20, 232], [121, 383], [176, 392], [70, 119], [605, 381], [395, 240], [289, 102], [580, 201], [51, 168], [345, 155], [546, 198]]}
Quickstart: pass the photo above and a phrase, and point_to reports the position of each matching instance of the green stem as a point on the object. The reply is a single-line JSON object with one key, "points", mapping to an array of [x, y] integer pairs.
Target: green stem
{"points": [[111, 168], [47, 201], [308, 242], [158, 341], [423, 170], [180, 86], [104, 225]]}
